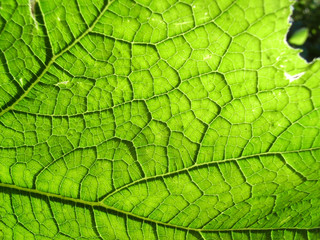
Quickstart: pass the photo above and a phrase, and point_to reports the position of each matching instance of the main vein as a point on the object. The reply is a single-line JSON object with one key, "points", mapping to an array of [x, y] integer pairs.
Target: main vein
{"points": [[53, 59], [100, 204]]}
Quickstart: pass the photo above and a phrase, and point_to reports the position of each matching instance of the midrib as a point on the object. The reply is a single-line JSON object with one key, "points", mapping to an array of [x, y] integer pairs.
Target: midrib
{"points": [[102, 205]]}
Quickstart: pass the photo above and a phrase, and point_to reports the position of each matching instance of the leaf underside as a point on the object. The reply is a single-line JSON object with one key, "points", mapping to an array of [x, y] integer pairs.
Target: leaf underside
{"points": [[152, 119]]}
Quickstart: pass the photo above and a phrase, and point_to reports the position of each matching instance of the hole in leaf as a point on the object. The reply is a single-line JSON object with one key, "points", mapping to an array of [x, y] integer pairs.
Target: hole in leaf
{"points": [[304, 32]]}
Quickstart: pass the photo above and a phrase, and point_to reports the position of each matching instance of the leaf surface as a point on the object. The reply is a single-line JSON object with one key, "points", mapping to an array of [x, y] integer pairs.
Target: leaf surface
{"points": [[156, 120]]}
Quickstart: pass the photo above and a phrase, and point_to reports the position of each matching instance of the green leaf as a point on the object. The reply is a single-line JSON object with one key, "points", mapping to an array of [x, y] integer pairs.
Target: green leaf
{"points": [[299, 37], [154, 119]]}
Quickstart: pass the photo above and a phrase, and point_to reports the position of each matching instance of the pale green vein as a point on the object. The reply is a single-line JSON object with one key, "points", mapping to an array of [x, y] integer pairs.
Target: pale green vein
{"points": [[205, 164]]}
